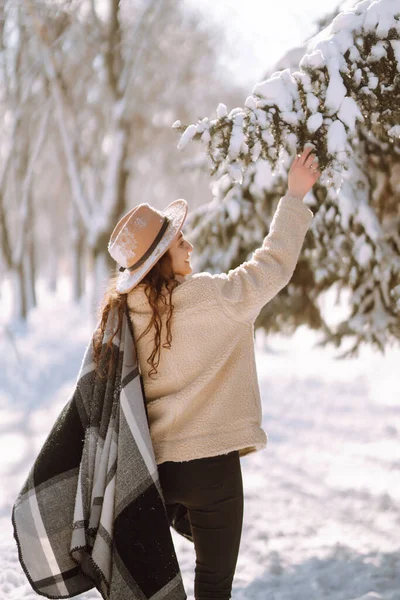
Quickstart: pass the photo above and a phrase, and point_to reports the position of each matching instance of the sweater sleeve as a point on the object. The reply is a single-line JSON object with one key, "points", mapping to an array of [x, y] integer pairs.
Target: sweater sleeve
{"points": [[245, 290]]}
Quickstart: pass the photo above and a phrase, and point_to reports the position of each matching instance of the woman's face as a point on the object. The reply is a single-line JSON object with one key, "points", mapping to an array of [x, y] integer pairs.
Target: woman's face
{"points": [[179, 253]]}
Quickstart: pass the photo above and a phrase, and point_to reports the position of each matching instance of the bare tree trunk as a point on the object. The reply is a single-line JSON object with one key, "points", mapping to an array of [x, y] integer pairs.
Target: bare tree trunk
{"points": [[77, 252], [30, 262], [23, 172], [53, 266], [5, 242], [114, 197], [97, 283], [101, 274], [19, 293], [97, 220]]}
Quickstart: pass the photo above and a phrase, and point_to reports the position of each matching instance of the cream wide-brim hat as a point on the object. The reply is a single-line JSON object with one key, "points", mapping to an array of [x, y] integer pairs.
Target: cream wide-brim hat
{"points": [[176, 212]]}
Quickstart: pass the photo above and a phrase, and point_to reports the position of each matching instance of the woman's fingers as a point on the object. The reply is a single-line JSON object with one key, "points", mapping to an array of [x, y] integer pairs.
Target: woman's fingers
{"points": [[306, 153], [296, 160], [303, 157], [309, 161]]}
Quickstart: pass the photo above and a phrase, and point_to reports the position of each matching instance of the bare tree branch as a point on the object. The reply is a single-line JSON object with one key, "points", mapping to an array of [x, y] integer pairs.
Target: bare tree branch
{"points": [[26, 187], [95, 16], [139, 36], [62, 109], [4, 236], [112, 54]]}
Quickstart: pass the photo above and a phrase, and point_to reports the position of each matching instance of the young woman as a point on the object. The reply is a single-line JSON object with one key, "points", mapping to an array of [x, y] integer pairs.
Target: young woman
{"points": [[201, 390]]}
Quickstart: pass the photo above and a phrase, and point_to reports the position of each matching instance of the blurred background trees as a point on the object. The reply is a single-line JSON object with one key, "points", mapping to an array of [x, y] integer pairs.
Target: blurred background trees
{"points": [[89, 92]]}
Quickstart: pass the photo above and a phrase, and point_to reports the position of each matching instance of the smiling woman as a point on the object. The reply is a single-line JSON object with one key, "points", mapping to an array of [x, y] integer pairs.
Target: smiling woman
{"points": [[179, 252], [204, 407], [140, 242]]}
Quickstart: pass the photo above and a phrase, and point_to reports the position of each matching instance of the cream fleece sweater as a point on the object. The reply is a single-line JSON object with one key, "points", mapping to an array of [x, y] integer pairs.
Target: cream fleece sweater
{"points": [[205, 399]]}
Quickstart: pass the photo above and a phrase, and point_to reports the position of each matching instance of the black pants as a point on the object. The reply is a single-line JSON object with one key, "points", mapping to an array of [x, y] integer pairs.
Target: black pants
{"points": [[212, 490]]}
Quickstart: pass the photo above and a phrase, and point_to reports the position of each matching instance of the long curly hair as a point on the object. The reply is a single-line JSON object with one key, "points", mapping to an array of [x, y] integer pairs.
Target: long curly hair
{"points": [[159, 285]]}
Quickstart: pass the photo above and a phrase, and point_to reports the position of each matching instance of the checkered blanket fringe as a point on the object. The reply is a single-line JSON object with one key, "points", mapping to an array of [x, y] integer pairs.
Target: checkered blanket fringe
{"points": [[91, 512]]}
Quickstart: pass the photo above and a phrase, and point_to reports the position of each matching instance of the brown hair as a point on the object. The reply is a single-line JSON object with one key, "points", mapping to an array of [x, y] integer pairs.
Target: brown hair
{"points": [[157, 280]]}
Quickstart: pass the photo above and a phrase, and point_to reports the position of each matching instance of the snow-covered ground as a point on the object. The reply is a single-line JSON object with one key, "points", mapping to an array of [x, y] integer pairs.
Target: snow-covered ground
{"points": [[322, 501]]}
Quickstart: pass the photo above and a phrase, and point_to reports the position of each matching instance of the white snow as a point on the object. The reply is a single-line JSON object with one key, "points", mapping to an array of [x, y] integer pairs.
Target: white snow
{"points": [[222, 110], [394, 131], [336, 89], [349, 112], [280, 90], [396, 49], [312, 102], [267, 137], [263, 177], [250, 103], [124, 247], [344, 21], [313, 60], [379, 16], [237, 136], [290, 117], [235, 172], [314, 122], [205, 138], [337, 137], [324, 60], [372, 82], [233, 208], [322, 501], [187, 135], [363, 251], [256, 151], [377, 52], [140, 222]]}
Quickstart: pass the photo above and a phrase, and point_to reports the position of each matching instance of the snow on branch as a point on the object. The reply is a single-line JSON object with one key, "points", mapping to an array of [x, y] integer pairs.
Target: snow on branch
{"points": [[349, 74], [343, 97]]}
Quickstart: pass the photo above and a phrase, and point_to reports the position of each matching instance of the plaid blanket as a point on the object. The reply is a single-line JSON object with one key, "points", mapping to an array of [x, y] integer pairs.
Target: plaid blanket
{"points": [[91, 512]]}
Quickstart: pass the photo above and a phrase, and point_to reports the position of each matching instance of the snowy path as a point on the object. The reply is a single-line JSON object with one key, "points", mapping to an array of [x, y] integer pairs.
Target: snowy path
{"points": [[322, 501]]}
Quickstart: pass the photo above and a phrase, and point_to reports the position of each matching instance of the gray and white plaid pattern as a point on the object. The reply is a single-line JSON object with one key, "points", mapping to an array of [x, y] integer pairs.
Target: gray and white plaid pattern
{"points": [[91, 512]]}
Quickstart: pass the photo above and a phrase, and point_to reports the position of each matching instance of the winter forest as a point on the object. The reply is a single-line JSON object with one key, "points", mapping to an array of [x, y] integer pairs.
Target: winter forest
{"points": [[105, 104]]}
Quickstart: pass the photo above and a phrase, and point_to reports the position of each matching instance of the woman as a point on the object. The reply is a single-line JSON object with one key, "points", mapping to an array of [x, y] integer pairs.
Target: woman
{"points": [[201, 391]]}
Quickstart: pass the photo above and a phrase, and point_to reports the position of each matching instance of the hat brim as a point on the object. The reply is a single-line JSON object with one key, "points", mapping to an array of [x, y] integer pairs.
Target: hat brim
{"points": [[176, 211]]}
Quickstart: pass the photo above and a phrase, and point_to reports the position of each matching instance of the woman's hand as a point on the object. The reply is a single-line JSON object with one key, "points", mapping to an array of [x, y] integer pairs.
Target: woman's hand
{"points": [[303, 174]]}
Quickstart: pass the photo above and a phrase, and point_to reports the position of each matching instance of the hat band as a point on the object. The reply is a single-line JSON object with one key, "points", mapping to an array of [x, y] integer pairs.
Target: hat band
{"points": [[151, 248]]}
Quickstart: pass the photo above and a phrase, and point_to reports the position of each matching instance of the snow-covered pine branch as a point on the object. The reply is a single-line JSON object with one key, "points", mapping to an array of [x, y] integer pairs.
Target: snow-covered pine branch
{"points": [[349, 73], [354, 244]]}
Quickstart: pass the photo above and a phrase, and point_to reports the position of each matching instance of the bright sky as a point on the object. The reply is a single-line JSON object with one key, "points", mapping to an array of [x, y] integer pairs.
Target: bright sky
{"points": [[260, 32]]}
